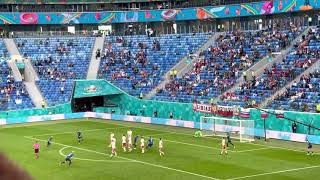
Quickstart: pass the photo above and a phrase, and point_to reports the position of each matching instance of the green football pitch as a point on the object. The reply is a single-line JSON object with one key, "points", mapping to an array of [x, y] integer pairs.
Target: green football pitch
{"points": [[186, 157]]}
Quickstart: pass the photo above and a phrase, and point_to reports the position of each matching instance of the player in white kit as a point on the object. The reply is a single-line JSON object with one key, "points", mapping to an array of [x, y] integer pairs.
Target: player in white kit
{"points": [[111, 136], [129, 136], [142, 144], [161, 147], [124, 143], [223, 147], [113, 147]]}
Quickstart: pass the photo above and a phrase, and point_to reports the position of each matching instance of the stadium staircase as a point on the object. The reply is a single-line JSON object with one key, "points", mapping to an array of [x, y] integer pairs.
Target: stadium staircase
{"points": [[14, 56], [311, 69], [183, 66], [265, 63], [30, 75], [95, 63]]}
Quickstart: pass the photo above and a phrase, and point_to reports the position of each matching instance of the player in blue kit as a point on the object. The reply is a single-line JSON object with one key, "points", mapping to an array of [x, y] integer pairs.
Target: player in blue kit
{"points": [[79, 135], [150, 142], [309, 148], [49, 141], [135, 141], [68, 158]]}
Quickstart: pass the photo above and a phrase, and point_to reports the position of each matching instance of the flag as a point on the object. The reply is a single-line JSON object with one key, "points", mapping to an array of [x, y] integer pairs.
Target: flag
{"points": [[264, 114], [245, 113], [279, 114]]}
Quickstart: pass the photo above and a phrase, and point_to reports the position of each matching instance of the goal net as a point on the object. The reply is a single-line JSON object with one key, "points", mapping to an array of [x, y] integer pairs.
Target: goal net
{"points": [[238, 129]]}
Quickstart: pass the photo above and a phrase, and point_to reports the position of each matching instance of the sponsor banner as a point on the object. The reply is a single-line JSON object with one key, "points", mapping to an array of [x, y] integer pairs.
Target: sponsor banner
{"points": [[224, 111], [158, 121], [3, 121], [170, 122], [189, 124]]}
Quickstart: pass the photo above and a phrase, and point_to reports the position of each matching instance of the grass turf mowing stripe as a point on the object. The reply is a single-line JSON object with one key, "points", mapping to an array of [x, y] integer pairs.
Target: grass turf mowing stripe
{"points": [[275, 172], [71, 132], [132, 160]]}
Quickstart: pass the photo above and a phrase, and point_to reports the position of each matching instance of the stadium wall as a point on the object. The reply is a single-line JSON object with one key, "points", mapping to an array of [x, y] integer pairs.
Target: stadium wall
{"points": [[129, 105], [160, 121], [200, 13]]}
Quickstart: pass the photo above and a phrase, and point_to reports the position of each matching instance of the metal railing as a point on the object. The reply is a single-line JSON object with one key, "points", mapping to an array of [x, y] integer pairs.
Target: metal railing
{"points": [[52, 33]]}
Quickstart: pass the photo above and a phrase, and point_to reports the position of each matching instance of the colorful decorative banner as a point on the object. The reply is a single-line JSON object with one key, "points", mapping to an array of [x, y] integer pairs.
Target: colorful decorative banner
{"points": [[108, 17], [225, 111]]}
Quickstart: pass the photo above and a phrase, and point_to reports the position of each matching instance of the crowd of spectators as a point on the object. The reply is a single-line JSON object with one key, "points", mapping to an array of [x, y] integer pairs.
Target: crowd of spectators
{"points": [[300, 58], [137, 63], [224, 62], [303, 95], [12, 93]]}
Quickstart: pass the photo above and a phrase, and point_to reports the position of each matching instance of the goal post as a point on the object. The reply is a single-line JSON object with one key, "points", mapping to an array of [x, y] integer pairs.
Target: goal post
{"points": [[218, 126]]}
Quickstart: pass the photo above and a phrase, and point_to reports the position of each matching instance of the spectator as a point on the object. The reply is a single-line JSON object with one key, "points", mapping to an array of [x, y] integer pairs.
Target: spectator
{"points": [[155, 113], [171, 115], [62, 89], [294, 127]]}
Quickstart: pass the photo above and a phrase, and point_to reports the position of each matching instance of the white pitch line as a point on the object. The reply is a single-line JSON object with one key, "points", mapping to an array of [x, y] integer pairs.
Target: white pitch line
{"points": [[249, 150], [37, 123], [133, 160], [275, 172], [209, 147], [93, 160], [190, 144]]}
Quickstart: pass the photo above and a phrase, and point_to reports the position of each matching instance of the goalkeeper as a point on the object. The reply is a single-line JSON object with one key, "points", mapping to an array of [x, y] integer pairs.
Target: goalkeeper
{"points": [[197, 134], [229, 141]]}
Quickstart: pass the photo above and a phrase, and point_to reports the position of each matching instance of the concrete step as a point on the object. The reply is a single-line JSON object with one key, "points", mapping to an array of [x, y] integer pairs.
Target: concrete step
{"points": [[95, 63], [35, 94]]}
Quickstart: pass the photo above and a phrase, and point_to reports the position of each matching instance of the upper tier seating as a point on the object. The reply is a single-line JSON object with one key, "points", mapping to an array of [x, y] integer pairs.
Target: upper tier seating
{"points": [[224, 63], [137, 63], [302, 56], [57, 60]]}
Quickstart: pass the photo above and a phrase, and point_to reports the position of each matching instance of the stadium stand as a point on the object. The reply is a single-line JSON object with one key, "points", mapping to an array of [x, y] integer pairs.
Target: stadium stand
{"points": [[137, 63], [301, 57], [224, 62], [303, 95], [57, 61], [13, 94]]}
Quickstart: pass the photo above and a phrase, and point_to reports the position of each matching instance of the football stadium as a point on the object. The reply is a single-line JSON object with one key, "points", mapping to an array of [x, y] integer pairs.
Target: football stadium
{"points": [[159, 89]]}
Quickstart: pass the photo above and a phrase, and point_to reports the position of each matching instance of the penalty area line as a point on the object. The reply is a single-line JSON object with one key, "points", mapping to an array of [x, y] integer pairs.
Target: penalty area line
{"points": [[132, 160]]}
